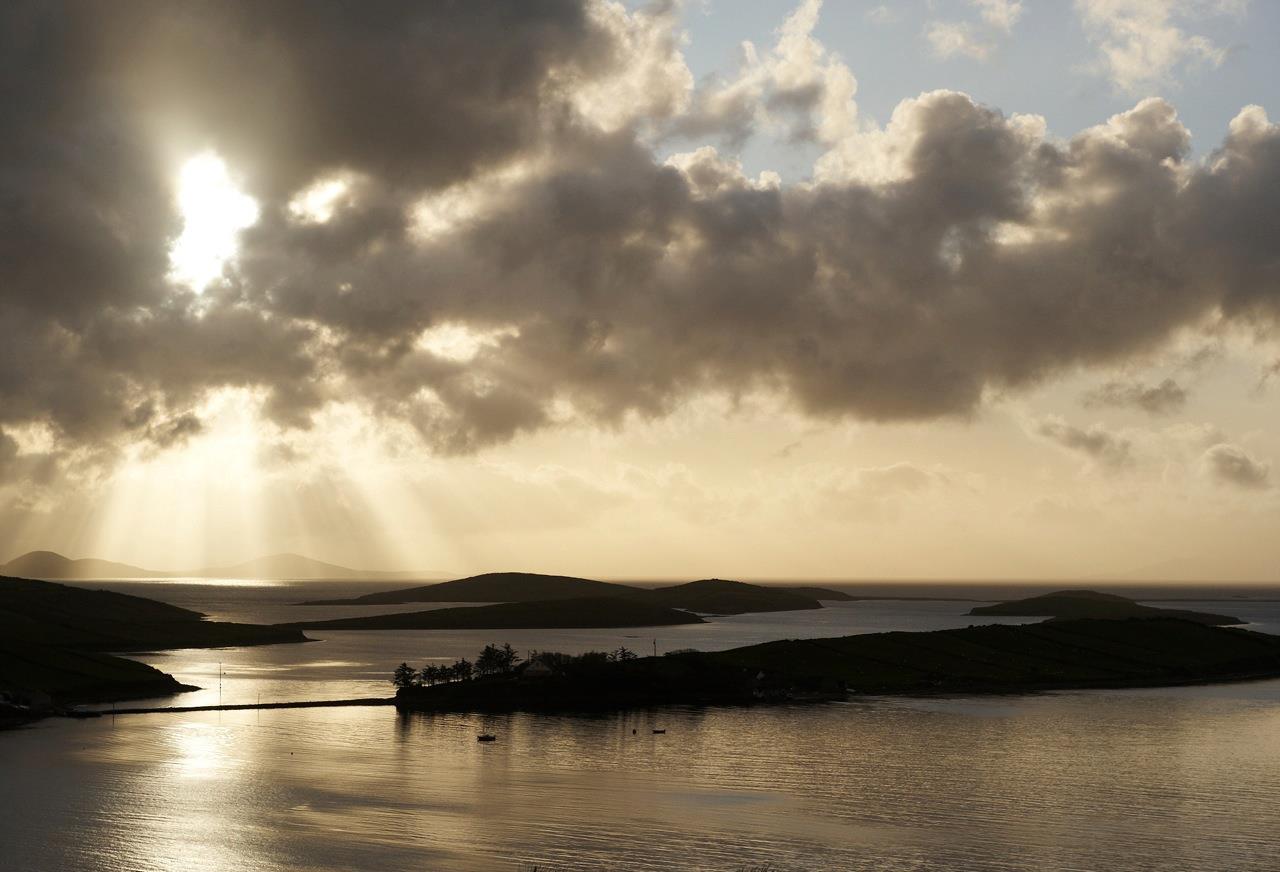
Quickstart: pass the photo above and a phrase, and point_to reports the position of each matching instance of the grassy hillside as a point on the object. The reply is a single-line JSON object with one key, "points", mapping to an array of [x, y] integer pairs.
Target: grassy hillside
{"points": [[547, 615], [1093, 604]]}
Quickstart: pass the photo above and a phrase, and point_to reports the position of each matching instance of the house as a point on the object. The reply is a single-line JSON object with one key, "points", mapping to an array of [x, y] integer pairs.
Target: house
{"points": [[538, 669]]}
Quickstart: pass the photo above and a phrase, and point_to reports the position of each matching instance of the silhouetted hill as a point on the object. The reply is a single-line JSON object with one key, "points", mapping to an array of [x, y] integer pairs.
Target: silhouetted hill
{"points": [[79, 676], [820, 593], [1093, 604], [48, 632], [49, 564], [491, 587], [721, 597], [45, 613], [712, 596], [582, 612]]}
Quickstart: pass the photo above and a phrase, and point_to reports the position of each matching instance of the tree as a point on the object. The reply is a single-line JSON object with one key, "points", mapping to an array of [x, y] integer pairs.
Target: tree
{"points": [[489, 661], [404, 676], [462, 669], [509, 658]]}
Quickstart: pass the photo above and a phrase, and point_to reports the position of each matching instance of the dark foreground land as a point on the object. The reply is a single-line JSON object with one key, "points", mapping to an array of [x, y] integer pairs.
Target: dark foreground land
{"points": [[53, 640], [1052, 655]]}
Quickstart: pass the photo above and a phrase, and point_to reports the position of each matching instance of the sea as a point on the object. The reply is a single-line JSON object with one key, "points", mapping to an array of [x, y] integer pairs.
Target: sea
{"points": [[1184, 778]]}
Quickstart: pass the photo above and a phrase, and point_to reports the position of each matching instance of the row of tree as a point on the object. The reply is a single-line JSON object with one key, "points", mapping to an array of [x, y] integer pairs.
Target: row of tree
{"points": [[493, 660], [503, 660]]}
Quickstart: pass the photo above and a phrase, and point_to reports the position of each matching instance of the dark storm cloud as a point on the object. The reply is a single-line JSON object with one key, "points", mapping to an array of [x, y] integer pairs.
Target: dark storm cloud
{"points": [[609, 282], [1232, 465], [1165, 397]]}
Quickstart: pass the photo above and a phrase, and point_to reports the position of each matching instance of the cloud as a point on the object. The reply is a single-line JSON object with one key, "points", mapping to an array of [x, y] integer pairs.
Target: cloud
{"points": [[1163, 398], [797, 87], [487, 195], [950, 39], [1142, 42], [1232, 465], [1097, 443]]}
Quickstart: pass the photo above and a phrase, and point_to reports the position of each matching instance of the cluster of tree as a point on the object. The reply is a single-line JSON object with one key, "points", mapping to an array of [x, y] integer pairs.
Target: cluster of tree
{"points": [[503, 660], [493, 660], [406, 676], [497, 661]]}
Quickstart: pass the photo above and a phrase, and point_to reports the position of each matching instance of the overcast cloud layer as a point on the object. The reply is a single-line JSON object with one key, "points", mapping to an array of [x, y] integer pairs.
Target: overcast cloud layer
{"points": [[502, 173]]}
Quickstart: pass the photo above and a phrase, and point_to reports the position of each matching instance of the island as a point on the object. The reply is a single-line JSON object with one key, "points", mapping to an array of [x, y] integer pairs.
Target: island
{"points": [[54, 640], [707, 596], [1066, 604], [583, 613], [1052, 655]]}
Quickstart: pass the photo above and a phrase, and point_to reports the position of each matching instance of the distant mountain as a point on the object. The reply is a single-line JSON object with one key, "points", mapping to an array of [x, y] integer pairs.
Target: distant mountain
{"points": [[47, 564], [710, 596], [297, 566], [491, 587], [50, 565], [1072, 604]]}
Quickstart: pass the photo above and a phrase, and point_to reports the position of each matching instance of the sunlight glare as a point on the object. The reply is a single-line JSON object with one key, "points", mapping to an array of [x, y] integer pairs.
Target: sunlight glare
{"points": [[214, 211]]}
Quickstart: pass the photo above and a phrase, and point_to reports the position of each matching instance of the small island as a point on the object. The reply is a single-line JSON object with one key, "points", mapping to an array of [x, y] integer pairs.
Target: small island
{"points": [[585, 613], [1067, 604], [707, 596], [1052, 655]]}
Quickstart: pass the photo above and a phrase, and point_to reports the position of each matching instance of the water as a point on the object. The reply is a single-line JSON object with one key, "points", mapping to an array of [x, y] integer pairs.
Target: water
{"points": [[1183, 778]]}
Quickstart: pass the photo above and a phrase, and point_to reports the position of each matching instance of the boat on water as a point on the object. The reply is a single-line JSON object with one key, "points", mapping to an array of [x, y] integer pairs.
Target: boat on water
{"points": [[659, 732], [486, 737]]}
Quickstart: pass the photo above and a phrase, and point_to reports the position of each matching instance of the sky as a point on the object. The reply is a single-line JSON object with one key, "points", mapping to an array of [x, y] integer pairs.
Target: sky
{"points": [[924, 290]]}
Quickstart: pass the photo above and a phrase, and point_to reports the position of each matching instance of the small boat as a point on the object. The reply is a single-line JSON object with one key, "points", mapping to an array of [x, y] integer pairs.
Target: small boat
{"points": [[486, 737], [659, 732]]}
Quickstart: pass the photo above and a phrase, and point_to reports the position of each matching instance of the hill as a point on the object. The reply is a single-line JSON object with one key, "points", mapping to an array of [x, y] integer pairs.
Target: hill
{"points": [[821, 593], [52, 637], [491, 587], [1066, 604], [710, 596], [721, 597], [49, 564], [583, 612], [1063, 654]]}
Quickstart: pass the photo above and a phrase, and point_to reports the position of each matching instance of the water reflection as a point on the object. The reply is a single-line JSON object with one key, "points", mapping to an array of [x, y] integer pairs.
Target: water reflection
{"points": [[1170, 779]]}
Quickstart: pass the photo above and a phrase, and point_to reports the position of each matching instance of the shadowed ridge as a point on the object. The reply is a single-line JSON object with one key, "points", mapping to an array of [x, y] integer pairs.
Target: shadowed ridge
{"points": [[1070, 604], [724, 597], [492, 587], [578, 612]]}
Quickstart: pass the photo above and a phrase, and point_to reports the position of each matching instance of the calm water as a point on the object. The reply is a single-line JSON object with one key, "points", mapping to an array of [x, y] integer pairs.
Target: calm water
{"points": [[1185, 778]]}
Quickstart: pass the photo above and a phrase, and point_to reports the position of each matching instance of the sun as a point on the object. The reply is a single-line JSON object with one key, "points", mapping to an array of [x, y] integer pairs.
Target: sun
{"points": [[213, 211]]}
